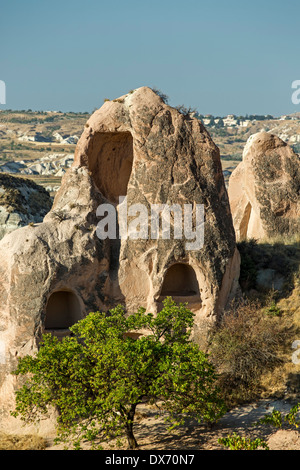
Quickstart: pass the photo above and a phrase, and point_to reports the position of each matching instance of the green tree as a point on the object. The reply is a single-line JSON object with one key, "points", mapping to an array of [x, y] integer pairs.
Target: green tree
{"points": [[96, 378]]}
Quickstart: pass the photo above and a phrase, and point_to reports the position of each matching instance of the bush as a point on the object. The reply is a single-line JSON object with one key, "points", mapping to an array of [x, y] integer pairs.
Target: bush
{"points": [[273, 309], [276, 418], [236, 442], [281, 256], [245, 344], [162, 95]]}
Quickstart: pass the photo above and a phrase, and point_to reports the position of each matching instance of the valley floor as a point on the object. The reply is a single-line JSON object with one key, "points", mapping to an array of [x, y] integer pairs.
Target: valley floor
{"points": [[151, 430]]}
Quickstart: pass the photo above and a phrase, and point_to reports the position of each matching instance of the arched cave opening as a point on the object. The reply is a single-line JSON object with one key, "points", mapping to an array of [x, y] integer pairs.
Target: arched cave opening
{"points": [[111, 163], [180, 281], [62, 311]]}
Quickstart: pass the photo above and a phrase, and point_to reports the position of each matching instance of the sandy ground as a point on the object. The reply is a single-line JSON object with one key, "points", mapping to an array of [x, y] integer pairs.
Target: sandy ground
{"points": [[151, 430]]}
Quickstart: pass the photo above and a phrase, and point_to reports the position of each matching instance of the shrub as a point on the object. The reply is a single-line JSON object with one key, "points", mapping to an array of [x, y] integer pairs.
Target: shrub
{"points": [[164, 97], [273, 309], [236, 442], [184, 110], [283, 256], [276, 418], [243, 345]]}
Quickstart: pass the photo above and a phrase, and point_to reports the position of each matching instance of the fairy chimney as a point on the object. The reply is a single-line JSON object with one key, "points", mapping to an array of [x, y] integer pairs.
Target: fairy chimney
{"points": [[139, 166], [264, 189]]}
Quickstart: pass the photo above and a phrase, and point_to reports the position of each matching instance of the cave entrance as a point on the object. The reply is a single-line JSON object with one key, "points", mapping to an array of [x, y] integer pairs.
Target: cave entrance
{"points": [[181, 284], [62, 311], [111, 163], [180, 280]]}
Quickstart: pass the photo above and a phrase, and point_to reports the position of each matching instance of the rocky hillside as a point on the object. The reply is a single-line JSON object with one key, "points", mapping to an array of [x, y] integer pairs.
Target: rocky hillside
{"points": [[39, 145], [21, 202], [52, 164]]}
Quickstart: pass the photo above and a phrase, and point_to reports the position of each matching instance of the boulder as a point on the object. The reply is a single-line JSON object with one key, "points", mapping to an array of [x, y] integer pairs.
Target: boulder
{"points": [[264, 189], [269, 279], [135, 154]]}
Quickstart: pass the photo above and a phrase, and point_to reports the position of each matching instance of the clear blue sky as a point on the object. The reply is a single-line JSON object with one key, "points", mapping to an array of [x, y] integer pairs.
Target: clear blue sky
{"points": [[217, 56]]}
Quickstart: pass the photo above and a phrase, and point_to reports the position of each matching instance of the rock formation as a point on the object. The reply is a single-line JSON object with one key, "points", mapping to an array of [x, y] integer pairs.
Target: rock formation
{"points": [[55, 273], [54, 164], [264, 189], [21, 202]]}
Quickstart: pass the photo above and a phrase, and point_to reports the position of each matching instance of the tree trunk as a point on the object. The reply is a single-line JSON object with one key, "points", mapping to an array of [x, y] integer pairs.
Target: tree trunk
{"points": [[132, 443]]}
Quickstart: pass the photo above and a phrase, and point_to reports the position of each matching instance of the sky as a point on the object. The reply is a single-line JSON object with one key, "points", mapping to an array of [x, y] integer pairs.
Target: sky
{"points": [[219, 57]]}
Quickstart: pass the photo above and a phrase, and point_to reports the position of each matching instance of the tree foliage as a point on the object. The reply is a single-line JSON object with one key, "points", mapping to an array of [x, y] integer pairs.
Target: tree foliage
{"points": [[96, 378]]}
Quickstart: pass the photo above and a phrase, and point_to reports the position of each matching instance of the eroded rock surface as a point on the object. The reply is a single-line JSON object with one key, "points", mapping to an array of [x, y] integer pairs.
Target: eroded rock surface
{"points": [[21, 202], [264, 189]]}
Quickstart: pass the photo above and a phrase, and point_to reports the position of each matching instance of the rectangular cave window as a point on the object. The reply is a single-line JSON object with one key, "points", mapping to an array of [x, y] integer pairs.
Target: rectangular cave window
{"points": [[180, 281], [110, 163], [62, 311]]}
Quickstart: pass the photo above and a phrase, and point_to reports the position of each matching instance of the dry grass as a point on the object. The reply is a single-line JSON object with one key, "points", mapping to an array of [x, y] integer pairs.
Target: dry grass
{"points": [[286, 378], [246, 345], [26, 442], [253, 346]]}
